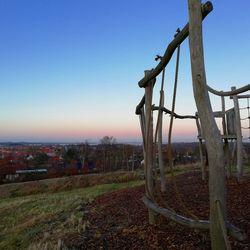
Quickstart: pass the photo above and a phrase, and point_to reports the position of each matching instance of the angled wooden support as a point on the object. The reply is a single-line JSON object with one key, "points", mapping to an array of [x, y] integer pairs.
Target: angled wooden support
{"points": [[179, 38], [143, 130]]}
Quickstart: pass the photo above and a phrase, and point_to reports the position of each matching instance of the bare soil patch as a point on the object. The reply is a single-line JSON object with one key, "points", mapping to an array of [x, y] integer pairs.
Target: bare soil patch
{"points": [[119, 220]]}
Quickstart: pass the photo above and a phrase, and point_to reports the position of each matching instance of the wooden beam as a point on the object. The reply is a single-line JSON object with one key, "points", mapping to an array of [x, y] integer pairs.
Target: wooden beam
{"points": [[198, 224], [218, 114], [241, 96], [167, 111], [229, 93], [206, 9]]}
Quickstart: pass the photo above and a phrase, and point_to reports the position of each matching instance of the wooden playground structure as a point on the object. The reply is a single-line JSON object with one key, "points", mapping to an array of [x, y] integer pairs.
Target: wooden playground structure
{"points": [[231, 129], [217, 143]]}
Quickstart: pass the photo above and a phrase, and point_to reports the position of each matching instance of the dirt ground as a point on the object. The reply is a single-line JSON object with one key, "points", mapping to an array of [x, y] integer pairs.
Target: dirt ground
{"points": [[119, 220]]}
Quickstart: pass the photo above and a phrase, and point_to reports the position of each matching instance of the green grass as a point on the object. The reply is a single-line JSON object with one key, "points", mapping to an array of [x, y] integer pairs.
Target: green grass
{"points": [[42, 220]]}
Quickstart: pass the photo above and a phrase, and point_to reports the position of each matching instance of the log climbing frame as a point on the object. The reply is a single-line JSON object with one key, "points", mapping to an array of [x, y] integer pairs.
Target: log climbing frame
{"points": [[217, 223]]}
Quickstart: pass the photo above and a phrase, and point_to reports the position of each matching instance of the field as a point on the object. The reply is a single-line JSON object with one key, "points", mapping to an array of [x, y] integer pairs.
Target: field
{"points": [[112, 215]]}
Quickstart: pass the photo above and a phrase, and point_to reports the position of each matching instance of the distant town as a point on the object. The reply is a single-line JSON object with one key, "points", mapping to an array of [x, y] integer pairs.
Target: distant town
{"points": [[32, 161]]}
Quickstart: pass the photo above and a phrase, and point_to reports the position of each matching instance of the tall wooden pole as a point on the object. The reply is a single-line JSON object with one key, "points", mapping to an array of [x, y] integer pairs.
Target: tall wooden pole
{"points": [[160, 121], [239, 137], [217, 192], [149, 178], [226, 143]]}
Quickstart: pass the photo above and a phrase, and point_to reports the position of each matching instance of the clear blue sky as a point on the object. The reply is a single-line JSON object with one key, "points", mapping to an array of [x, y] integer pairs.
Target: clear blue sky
{"points": [[69, 69]]}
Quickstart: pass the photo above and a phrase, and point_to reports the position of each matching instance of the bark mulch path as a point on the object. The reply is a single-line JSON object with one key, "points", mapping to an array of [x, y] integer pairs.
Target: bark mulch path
{"points": [[119, 220]]}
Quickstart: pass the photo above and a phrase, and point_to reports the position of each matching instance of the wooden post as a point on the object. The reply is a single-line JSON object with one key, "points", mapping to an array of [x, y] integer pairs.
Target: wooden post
{"points": [[239, 137], [143, 129], [223, 109], [149, 179], [160, 120], [217, 192], [226, 144], [203, 170]]}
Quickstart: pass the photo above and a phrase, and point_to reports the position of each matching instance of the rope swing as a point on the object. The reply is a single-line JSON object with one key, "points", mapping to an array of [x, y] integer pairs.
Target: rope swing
{"points": [[169, 148]]}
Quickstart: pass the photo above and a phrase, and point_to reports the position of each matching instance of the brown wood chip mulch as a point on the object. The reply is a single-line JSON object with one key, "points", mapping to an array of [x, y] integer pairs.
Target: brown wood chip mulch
{"points": [[119, 220]]}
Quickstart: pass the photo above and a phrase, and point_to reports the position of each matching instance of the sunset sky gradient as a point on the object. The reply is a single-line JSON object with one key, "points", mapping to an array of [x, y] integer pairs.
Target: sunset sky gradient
{"points": [[69, 69]]}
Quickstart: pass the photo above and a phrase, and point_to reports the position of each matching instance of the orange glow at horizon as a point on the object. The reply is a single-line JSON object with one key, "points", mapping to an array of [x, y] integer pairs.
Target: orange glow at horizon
{"points": [[79, 130]]}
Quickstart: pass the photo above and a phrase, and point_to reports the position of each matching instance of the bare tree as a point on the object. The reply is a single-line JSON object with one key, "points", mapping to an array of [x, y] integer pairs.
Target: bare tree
{"points": [[108, 143], [108, 140]]}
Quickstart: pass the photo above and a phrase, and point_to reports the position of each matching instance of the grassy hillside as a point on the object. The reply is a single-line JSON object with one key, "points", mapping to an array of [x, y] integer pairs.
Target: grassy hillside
{"points": [[43, 220], [40, 221], [64, 183]]}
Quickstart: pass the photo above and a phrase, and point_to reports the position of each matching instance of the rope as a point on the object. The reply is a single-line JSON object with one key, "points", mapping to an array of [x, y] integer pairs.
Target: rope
{"points": [[160, 112], [170, 154], [222, 225]]}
